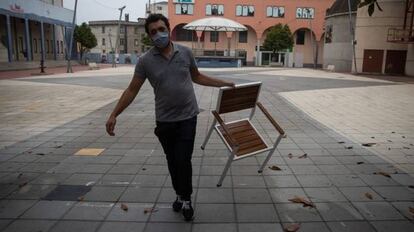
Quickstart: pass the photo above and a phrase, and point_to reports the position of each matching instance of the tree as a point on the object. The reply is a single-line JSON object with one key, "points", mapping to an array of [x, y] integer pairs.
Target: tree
{"points": [[146, 41], [83, 35], [278, 39], [371, 5]]}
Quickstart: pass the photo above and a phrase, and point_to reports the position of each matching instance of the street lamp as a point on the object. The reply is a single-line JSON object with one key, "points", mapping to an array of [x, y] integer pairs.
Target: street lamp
{"points": [[117, 36]]}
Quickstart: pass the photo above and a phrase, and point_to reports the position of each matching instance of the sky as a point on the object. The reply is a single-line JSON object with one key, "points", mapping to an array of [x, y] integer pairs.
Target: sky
{"points": [[90, 10]]}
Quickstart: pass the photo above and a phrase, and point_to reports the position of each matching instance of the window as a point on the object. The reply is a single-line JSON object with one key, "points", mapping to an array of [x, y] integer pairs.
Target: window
{"points": [[244, 10], [328, 34], [184, 9], [122, 30], [136, 30], [275, 11], [47, 46], [61, 47], [300, 37], [35, 45], [243, 37], [103, 41], [305, 13], [181, 34], [121, 41], [159, 8], [57, 47], [214, 36], [21, 44], [217, 10], [103, 29], [136, 42]]}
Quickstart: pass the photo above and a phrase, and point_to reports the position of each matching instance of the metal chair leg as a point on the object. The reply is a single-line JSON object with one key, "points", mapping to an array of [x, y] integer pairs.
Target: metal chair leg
{"points": [[203, 146], [270, 154], [226, 168]]}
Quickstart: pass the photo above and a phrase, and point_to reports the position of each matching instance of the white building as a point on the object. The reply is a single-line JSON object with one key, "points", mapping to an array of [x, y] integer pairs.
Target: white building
{"points": [[160, 7]]}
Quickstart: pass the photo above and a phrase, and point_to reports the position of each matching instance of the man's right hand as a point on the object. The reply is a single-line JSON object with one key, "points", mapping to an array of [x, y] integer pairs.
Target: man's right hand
{"points": [[110, 125]]}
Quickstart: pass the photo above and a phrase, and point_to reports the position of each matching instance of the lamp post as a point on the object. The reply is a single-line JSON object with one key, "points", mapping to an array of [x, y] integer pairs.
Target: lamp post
{"points": [[117, 36], [69, 53], [352, 36]]}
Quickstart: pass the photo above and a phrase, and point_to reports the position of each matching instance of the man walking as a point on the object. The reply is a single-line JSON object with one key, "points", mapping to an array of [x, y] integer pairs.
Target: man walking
{"points": [[171, 70]]}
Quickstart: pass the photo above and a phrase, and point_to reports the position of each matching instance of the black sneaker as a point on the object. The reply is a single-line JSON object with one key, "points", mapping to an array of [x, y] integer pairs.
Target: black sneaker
{"points": [[177, 205], [188, 211]]}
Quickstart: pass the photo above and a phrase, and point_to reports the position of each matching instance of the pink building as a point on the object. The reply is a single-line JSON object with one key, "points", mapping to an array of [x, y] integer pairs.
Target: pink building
{"points": [[302, 16]]}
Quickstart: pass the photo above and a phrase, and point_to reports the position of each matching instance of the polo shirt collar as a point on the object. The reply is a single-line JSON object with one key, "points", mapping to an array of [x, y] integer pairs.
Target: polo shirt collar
{"points": [[157, 51]]}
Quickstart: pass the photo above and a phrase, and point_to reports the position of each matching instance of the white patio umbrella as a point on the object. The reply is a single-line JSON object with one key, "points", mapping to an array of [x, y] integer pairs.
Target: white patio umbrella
{"points": [[215, 24]]}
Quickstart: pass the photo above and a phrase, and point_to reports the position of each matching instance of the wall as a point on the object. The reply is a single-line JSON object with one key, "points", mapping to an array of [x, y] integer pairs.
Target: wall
{"points": [[371, 32], [339, 51]]}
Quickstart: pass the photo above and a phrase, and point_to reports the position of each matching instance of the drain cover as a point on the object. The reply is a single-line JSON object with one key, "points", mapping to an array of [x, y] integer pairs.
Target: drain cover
{"points": [[67, 193]]}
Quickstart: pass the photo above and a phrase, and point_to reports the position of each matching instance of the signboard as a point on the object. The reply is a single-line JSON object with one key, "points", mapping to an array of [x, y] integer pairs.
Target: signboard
{"points": [[184, 1], [38, 8]]}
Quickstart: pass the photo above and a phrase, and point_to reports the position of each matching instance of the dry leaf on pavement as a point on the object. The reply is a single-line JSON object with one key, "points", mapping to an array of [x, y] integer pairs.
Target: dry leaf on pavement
{"points": [[369, 144], [292, 227], [369, 195], [150, 210], [411, 210], [81, 198], [383, 173], [360, 162], [124, 207], [303, 201], [290, 155], [303, 156], [275, 168]]}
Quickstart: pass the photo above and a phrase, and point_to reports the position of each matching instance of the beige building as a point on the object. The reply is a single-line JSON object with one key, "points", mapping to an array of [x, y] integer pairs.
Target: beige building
{"points": [[131, 34], [157, 7], [35, 30]]}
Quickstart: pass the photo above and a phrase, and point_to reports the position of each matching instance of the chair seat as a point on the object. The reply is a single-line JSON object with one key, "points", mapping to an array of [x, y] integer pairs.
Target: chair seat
{"points": [[245, 135]]}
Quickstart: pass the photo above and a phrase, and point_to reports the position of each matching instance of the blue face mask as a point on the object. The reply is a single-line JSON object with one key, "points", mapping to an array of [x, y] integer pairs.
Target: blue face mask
{"points": [[161, 39]]}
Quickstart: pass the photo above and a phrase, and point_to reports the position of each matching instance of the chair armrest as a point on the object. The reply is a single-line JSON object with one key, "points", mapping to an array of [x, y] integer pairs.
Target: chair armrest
{"points": [[233, 144], [270, 118]]}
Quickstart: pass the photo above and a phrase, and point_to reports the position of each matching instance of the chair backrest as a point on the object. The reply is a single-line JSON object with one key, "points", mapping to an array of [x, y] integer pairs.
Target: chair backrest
{"points": [[243, 96]]}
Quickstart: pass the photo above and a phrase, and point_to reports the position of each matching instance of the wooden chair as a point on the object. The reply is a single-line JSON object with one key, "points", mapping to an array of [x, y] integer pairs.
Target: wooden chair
{"points": [[241, 137]]}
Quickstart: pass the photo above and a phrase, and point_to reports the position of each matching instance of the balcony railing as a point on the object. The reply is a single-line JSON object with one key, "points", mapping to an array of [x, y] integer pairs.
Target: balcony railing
{"points": [[399, 35]]}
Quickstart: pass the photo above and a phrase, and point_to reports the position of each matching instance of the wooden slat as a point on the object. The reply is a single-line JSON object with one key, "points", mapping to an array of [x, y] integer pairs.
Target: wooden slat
{"points": [[250, 150], [238, 99]]}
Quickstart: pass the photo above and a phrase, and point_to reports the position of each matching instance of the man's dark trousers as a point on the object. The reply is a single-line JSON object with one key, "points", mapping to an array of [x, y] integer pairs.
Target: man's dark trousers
{"points": [[177, 140]]}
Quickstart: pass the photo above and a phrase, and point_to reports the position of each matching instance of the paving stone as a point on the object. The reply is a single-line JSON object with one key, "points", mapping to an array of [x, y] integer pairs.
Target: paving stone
{"points": [[214, 195], [14, 208], [292, 212], [82, 179], [378, 211], [396, 193], [79, 226], [403, 208], [256, 213], [207, 227], [48, 210], [140, 194], [252, 227], [280, 195], [93, 211], [313, 227], [349, 226], [305, 169], [346, 180], [281, 181], [4, 223], [223, 213], [31, 192], [104, 193], [125, 169], [252, 196], [248, 181], [115, 180], [122, 227], [359, 194], [211, 182], [400, 226], [378, 180], [50, 178], [165, 213], [314, 180], [170, 227], [338, 211], [135, 212], [29, 225], [325, 194], [149, 180]]}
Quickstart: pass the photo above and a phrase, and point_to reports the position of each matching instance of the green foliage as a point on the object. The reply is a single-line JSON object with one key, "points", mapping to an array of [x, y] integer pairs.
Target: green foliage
{"points": [[279, 38], [371, 5], [146, 41], [83, 35]]}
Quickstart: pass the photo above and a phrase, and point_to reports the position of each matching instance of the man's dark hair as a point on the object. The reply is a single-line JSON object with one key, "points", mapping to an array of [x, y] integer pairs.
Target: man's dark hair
{"points": [[152, 18]]}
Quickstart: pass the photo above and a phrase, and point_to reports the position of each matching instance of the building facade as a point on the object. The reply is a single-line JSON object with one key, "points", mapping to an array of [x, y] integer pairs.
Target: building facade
{"points": [[155, 7], [305, 18], [131, 34], [33, 30]]}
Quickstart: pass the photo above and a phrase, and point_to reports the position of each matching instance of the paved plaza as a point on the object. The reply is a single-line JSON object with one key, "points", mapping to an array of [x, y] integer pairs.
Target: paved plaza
{"points": [[357, 134]]}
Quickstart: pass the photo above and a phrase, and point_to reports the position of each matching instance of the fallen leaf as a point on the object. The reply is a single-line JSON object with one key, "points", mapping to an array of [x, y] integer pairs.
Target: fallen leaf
{"points": [[411, 186], [144, 169], [58, 146], [406, 148], [341, 142], [372, 137], [349, 147], [383, 173], [39, 154], [303, 156], [411, 144], [393, 132], [124, 207], [369, 195], [22, 184], [411, 210], [303, 201], [292, 227], [290, 155], [30, 152], [20, 175], [360, 162], [403, 137], [368, 144], [150, 210], [81, 198], [275, 168], [389, 149], [389, 141]]}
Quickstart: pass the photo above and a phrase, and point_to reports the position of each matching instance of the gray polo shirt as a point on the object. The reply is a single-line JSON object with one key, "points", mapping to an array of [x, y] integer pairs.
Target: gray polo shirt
{"points": [[171, 80]]}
